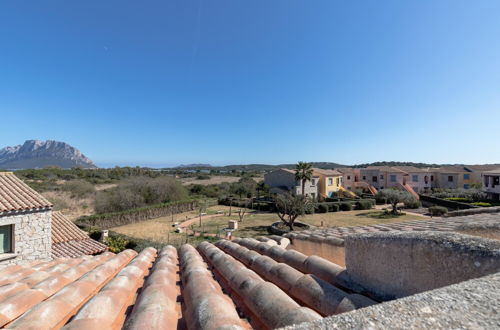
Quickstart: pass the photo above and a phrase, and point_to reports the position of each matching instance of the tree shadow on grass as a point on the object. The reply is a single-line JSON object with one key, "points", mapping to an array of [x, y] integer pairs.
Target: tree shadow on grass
{"points": [[379, 215]]}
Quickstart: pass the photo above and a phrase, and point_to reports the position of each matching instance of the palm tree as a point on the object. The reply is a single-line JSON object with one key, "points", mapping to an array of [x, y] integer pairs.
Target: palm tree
{"points": [[303, 172]]}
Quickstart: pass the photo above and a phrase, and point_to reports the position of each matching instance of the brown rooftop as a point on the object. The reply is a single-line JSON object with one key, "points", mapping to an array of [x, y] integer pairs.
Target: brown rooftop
{"points": [[15, 195], [70, 241], [326, 172]]}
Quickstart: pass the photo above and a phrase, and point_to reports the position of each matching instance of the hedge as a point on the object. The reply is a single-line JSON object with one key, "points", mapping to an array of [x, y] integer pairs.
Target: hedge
{"points": [[438, 210], [454, 205], [109, 220], [364, 204], [345, 206]]}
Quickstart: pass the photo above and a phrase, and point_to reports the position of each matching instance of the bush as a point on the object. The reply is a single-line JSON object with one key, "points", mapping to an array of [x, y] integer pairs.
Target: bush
{"points": [[333, 207], [116, 244], [95, 233], [364, 205], [138, 192], [413, 204], [345, 206], [458, 199], [438, 210], [482, 204], [78, 188], [322, 208]]}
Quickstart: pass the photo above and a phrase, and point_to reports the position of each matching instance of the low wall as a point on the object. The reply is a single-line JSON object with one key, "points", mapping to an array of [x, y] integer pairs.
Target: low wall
{"points": [[479, 210], [397, 264], [329, 248], [110, 220]]}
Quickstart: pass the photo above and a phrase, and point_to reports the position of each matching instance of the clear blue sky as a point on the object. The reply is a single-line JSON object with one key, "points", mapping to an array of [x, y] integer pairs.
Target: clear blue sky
{"points": [[271, 81]]}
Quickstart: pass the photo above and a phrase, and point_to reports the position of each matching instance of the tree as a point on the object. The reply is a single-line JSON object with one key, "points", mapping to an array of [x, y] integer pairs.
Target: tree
{"points": [[394, 197], [289, 207], [261, 187], [303, 173]]}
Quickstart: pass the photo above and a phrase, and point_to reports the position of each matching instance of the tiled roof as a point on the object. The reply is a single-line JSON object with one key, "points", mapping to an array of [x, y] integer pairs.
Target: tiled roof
{"points": [[15, 195], [228, 285], [383, 169], [412, 169], [70, 241], [318, 171]]}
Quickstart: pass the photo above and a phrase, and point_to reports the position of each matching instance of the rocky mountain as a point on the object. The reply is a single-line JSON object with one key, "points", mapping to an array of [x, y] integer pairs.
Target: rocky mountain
{"points": [[38, 154]]}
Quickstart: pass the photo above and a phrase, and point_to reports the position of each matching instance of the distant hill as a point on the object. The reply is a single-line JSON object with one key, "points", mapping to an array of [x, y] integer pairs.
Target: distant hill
{"points": [[194, 166], [39, 154]]}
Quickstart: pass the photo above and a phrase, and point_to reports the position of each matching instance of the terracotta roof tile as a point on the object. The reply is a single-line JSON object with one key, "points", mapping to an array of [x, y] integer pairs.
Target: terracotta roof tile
{"points": [[15, 195], [70, 241], [254, 283]]}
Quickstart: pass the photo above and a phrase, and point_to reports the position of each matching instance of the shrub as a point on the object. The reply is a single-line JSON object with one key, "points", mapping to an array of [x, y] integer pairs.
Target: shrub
{"points": [[95, 233], [364, 205], [412, 204], [458, 199], [116, 244], [482, 204], [139, 191], [345, 206], [322, 208], [78, 188], [333, 207], [438, 210]]}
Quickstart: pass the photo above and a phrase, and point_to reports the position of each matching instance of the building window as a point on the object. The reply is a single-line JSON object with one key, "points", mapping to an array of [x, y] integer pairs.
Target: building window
{"points": [[338, 181], [6, 245], [374, 178], [364, 177], [466, 186], [432, 178], [414, 178], [393, 178], [313, 182], [348, 177], [330, 181], [466, 176], [450, 178], [381, 177]]}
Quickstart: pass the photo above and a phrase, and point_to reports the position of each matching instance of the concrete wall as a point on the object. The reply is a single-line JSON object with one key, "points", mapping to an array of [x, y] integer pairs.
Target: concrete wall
{"points": [[398, 264], [329, 248], [32, 236]]}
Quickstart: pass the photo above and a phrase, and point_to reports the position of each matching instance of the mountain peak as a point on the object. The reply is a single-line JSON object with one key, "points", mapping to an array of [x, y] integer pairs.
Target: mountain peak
{"points": [[37, 154]]}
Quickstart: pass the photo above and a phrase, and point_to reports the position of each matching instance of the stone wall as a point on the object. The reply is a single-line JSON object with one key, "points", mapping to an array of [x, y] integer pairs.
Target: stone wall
{"points": [[32, 236], [398, 264], [329, 248]]}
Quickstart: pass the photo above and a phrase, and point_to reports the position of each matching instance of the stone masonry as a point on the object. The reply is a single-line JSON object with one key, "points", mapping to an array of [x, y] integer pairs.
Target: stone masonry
{"points": [[32, 236]]}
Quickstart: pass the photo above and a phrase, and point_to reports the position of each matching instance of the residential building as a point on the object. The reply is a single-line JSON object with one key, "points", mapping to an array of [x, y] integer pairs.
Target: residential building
{"points": [[350, 176], [491, 184], [453, 177], [382, 177], [329, 181], [477, 171], [419, 179], [283, 180], [25, 222]]}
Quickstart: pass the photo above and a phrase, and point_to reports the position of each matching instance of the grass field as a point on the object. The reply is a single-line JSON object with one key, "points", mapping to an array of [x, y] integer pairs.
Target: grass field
{"points": [[253, 224]]}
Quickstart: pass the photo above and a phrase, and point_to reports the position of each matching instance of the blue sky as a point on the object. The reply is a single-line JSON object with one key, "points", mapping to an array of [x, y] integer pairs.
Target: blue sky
{"points": [[231, 82]]}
